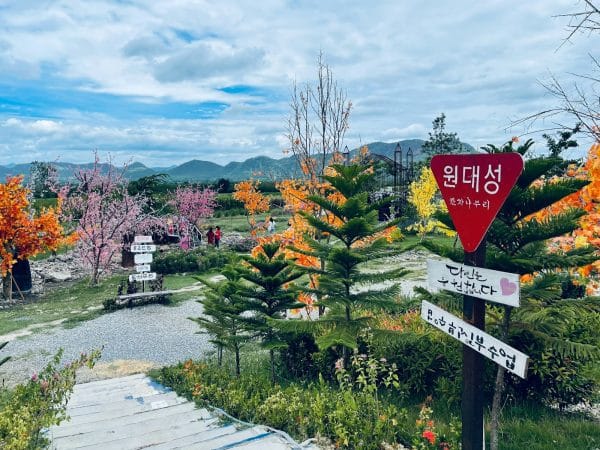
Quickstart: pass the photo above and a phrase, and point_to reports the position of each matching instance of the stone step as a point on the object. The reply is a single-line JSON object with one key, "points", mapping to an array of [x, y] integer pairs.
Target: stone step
{"points": [[94, 398], [270, 442]]}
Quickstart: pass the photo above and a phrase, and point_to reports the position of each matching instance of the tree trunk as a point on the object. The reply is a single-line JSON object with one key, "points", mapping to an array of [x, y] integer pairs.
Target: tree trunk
{"points": [[499, 386], [7, 286], [127, 258], [237, 361], [220, 355], [272, 355], [21, 276]]}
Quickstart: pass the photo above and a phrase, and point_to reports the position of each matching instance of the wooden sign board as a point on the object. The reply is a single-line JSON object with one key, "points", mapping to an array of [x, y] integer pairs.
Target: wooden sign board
{"points": [[142, 239], [142, 258], [502, 354], [492, 285], [143, 248], [146, 276], [142, 268]]}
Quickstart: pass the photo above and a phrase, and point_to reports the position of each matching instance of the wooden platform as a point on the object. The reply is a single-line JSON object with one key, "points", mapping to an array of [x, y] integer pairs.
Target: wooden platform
{"points": [[135, 412]]}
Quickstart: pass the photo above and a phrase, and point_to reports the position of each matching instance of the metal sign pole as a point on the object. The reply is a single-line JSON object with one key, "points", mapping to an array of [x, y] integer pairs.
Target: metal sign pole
{"points": [[473, 365]]}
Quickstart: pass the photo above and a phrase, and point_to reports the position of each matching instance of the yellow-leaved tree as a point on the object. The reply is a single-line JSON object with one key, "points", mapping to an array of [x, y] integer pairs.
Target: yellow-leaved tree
{"points": [[422, 195]]}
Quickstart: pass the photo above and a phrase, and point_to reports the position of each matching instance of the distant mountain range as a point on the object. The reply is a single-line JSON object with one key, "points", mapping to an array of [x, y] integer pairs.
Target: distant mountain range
{"points": [[258, 167]]}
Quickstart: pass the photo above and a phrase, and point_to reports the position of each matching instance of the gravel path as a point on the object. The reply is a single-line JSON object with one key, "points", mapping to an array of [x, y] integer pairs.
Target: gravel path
{"points": [[134, 340]]}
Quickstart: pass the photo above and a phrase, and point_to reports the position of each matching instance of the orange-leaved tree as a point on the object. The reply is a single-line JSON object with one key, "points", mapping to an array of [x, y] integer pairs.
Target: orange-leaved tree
{"points": [[254, 201], [296, 194], [588, 199], [22, 234]]}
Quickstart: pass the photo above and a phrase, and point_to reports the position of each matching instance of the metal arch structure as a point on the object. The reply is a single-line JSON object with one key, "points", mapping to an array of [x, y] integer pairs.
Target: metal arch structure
{"points": [[393, 178]]}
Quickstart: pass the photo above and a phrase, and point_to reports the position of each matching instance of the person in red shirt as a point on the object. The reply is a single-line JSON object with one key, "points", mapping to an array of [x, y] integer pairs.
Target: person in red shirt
{"points": [[217, 236], [210, 236]]}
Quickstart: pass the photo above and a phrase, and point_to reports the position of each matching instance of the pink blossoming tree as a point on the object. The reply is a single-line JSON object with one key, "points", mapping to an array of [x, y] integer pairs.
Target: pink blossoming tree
{"points": [[192, 204], [102, 212]]}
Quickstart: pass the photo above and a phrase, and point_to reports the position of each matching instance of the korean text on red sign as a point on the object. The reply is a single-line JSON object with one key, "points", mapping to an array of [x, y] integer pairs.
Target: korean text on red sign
{"points": [[474, 187]]}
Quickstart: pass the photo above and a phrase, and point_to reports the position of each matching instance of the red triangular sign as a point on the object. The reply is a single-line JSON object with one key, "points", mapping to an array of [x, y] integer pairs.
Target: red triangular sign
{"points": [[474, 187]]}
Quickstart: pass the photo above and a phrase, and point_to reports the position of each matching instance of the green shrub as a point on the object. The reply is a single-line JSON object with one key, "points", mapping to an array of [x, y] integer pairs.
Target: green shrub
{"points": [[349, 418], [39, 403], [178, 261], [553, 379], [201, 259], [227, 202], [112, 304], [213, 259], [424, 360]]}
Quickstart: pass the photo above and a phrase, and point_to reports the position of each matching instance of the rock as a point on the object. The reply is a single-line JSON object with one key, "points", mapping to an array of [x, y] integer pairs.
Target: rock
{"points": [[238, 242], [57, 276]]}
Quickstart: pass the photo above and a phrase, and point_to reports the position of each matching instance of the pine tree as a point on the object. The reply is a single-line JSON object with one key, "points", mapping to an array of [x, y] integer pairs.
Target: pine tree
{"points": [[441, 142], [347, 292], [517, 243], [268, 294], [223, 318]]}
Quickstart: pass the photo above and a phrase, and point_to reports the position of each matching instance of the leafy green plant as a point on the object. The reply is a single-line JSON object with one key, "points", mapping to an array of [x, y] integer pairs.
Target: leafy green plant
{"points": [[269, 294], [428, 438], [368, 375], [5, 358], [347, 295], [196, 261], [222, 316], [344, 417], [39, 403]]}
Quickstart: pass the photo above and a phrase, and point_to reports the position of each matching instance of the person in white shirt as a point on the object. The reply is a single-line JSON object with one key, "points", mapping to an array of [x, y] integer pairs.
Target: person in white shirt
{"points": [[271, 226]]}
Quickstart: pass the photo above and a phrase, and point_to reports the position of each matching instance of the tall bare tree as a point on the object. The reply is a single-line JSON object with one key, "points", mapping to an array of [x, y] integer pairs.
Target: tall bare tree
{"points": [[318, 120], [580, 99]]}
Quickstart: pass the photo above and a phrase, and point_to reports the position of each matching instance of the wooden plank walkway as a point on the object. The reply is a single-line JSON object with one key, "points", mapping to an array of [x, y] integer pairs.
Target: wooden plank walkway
{"points": [[134, 412]]}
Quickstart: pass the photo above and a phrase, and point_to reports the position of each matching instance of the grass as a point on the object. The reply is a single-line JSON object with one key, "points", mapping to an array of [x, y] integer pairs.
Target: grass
{"points": [[533, 427], [240, 223], [75, 303], [525, 426]]}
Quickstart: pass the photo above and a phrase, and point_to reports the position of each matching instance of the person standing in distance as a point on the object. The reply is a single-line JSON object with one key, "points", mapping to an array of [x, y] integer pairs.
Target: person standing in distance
{"points": [[217, 236], [271, 226]]}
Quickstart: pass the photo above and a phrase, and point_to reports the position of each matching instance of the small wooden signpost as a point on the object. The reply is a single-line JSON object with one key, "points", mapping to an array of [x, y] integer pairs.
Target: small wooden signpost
{"points": [[145, 276], [142, 258], [474, 188], [142, 268], [143, 248]]}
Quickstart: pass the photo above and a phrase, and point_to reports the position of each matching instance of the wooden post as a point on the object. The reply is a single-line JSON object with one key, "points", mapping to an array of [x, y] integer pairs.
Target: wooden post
{"points": [[473, 365]]}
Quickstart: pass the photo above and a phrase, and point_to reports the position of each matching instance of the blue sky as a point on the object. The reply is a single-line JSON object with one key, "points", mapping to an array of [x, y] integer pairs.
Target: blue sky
{"points": [[166, 82]]}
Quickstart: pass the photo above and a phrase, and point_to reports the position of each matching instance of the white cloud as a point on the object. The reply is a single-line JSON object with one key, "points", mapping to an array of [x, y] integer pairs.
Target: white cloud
{"points": [[208, 59], [402, 64], [414, 130]]}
